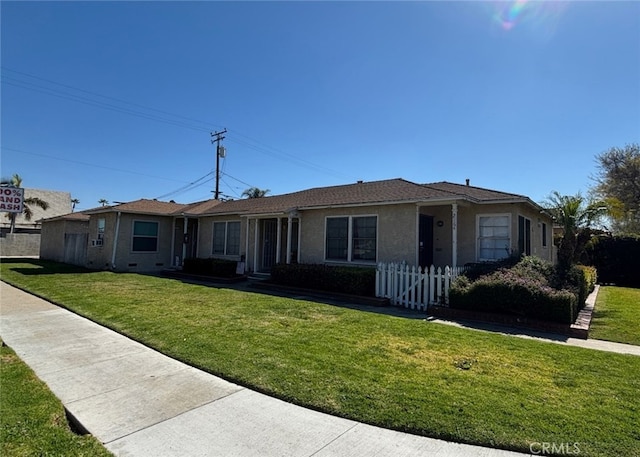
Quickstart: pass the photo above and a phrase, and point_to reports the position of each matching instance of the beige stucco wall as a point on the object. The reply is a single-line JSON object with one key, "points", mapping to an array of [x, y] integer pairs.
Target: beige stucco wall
{"points": [[53, 235], [468, 223], [205, 236], [396, 232], [100, 257]]}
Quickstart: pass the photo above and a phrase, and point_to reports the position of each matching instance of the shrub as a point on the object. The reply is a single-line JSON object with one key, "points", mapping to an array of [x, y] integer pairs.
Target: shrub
{"points": [[348, 280], [210, 267], [616, 259], [523, 290]]}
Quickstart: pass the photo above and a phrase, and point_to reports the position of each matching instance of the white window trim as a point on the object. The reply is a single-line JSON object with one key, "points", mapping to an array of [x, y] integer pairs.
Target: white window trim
{"points": [[226, 237], [100, 233], [478, 216], [133, 235], [350, 259]]}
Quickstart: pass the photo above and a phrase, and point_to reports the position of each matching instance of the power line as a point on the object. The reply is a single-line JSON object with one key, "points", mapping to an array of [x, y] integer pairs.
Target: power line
{"points": [[252, 144], [5, 148]]}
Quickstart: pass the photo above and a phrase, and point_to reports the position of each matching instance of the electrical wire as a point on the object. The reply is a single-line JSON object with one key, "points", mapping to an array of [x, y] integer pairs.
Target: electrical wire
{"points": [[234, 136]]}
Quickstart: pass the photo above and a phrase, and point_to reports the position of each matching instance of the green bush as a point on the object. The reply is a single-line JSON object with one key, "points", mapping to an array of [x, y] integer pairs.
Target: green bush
{"points": [[347, 280], [210, 267], [616, 259], [523, 290]]}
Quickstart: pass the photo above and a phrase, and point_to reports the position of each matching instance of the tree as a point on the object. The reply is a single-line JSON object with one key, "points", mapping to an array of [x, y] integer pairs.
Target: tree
{"points": [[254, 192], [103, 202], [74, 202], [16, 181], [578, 217], [618, 184]]}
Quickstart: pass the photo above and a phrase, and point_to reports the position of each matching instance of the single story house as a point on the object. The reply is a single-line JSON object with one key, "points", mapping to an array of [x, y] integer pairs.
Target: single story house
{"points": [[357, 224]]}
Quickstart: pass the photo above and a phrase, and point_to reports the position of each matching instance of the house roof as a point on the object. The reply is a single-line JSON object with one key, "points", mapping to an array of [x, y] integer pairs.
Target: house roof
{"points": [[362, 193], [142, 206], [80, 216], [390, 191], [477, 194]]}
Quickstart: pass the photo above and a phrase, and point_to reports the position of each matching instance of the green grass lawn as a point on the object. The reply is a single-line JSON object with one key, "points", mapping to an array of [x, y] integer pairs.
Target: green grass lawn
{"points": [[32, 419], [617, 315], [405, 374]]}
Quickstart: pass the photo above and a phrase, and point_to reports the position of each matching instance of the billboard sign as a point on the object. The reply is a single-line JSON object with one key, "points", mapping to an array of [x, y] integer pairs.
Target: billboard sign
{"points": [[11, 199]]}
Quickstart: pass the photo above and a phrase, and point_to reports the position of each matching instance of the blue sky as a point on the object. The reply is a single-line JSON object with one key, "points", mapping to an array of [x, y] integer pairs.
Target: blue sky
{"points": [[116, 100]]}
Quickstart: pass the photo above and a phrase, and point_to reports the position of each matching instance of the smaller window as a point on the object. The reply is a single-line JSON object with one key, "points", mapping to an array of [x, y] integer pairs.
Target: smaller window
{"points": [[145, 236], [544, 235], [101, 226]]}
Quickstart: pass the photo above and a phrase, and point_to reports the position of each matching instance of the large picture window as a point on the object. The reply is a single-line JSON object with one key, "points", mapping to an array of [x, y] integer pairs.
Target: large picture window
{"points": [[352, 238], [145, 236], [226, 238], [493, 237]]}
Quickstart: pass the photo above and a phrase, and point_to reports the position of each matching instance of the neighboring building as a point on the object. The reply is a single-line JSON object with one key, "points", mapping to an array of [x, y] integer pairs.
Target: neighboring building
{"points": [[356, 224], [25, 241]]}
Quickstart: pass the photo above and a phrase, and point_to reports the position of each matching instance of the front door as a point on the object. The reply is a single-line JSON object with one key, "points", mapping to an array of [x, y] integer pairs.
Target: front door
{"points": [[425, 241], [269, 243]]}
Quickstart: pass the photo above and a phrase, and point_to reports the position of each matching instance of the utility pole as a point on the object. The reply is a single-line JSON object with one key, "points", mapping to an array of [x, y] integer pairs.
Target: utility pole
{"points": [[216, 137]]}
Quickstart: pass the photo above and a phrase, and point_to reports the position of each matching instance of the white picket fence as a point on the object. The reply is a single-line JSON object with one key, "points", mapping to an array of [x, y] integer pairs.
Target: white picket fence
{"points": [[413, 287]]}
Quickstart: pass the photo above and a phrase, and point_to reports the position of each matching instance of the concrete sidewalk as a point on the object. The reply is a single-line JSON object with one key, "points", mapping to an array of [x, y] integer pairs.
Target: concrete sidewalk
{"points": [[139, 402]]}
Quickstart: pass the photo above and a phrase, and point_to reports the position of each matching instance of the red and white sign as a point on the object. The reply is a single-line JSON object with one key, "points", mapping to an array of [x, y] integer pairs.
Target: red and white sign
{"points": [[11, 199]]}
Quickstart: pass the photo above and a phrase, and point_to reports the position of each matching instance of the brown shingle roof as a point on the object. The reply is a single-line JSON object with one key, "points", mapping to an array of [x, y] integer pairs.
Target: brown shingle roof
{"points": [[362, 193], [80, 216], [474, 193], [375, 192], [142, 206]]}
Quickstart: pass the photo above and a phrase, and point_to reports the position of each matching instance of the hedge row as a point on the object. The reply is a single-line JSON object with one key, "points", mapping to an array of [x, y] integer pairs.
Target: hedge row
{"points": [[347, 280], [210, 267], [616, 258], [532, 288]]}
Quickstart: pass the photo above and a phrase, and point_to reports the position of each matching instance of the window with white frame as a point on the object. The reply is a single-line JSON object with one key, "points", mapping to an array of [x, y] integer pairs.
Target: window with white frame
{"points": [[226, 238], [145, 236], [493, 236], [351, 238], [101, 227]]}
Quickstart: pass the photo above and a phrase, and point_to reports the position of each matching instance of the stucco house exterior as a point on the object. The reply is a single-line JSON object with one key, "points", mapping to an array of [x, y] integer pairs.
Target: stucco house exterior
{"points": [[357, 224]]}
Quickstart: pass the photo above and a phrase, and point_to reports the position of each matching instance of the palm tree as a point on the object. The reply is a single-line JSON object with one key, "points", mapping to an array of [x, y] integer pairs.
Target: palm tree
{"points": [[254, 192], [577, 216], [103, 202], [16, 181], [74, 202]]}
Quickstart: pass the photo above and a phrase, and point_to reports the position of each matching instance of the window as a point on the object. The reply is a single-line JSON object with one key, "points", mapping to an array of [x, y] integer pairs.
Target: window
{"points": [[338, 238], [352, 238], [145, 236], [524, 235], [226, 238], [493, 237], [544, 235], [101, 226]]}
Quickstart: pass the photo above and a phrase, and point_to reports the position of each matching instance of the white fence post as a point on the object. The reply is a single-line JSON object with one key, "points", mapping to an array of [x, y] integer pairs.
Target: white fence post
{"points": [[413, 287]]}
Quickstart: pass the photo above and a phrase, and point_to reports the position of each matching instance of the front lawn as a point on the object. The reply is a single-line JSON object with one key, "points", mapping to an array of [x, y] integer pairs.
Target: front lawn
{"points": [[32, 419], [617, 315], [406, 374]]}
